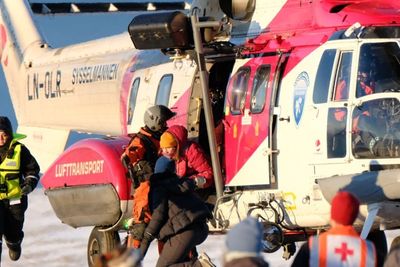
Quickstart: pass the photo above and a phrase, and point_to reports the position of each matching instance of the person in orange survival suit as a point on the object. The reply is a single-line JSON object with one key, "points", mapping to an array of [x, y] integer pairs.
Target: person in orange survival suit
{"points": [[341, 245], [139, 158], [364, 83]]}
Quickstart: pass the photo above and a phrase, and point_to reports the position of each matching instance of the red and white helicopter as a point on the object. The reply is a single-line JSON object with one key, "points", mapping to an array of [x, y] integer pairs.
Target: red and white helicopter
{"points": [[308, 92]]}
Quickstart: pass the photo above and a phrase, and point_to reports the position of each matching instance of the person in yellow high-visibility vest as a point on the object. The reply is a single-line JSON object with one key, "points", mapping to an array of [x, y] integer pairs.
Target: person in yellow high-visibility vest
{"points": [[19, 175]]}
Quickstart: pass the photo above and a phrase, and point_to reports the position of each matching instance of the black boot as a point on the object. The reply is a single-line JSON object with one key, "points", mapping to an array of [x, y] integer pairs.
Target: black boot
{"points": [[14, 250]]}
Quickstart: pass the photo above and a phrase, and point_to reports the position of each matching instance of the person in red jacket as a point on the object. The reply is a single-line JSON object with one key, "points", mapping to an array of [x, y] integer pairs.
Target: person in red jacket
{"points": [[190, 159]]}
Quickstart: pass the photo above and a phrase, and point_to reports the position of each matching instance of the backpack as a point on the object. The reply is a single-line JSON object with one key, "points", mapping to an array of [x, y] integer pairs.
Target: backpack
{"points": [[141, 155], [141, 147]]}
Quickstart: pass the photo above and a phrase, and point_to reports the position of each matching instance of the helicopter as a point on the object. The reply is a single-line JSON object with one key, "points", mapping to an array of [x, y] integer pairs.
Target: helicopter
{"points": [[306, 93]]}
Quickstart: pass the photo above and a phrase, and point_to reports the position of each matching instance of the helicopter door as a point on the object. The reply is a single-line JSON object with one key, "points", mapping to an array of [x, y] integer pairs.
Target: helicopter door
{"points": [[331, 99], [247, 120]]}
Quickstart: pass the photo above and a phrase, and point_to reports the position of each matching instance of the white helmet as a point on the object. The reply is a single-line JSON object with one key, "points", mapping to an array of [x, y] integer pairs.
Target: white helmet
{"points": [[156, 117]]}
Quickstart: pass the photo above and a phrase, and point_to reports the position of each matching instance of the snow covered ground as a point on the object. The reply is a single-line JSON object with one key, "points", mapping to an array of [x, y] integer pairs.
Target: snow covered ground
{"points": [[49, 243]]}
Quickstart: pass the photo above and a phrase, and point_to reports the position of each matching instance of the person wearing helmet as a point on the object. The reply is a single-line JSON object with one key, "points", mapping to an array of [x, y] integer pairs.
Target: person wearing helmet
{"points": [[142, 150], [366, 72], [139, 158], [155, 119], [364, 83]]}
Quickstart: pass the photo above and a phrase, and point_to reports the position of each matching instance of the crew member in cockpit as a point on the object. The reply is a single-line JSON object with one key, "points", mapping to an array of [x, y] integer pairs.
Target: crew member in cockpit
{"points": [[364, 83]]}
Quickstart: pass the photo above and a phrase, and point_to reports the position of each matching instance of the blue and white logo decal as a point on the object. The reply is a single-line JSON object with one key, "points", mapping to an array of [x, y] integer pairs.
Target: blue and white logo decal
{"points": [[300, 89]]}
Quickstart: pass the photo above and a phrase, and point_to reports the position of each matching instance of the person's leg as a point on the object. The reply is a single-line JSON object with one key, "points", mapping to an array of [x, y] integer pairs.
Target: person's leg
{"points": [[176, 249], [3, 215], [14, 223]]}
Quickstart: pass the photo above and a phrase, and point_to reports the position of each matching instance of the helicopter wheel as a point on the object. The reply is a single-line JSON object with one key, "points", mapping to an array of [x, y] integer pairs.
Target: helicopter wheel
{"points": [[272, 238], [100, 243]]}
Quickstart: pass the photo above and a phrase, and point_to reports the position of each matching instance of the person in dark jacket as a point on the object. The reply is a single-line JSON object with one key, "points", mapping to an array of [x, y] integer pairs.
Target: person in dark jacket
{"points": [[19, 175], [178, 216], [244, 245]]}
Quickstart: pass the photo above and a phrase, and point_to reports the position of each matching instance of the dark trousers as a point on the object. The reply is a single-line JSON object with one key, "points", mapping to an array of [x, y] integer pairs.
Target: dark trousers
{"points": [[12, 220], [176, 248]]}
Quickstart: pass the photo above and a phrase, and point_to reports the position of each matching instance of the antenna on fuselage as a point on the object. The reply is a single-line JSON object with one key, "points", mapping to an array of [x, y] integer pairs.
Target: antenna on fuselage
{"points": [[352, 29], [177, 55]]}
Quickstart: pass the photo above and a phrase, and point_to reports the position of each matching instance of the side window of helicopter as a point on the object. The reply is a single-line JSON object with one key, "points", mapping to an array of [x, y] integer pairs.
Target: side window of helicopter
{"points": [[336, 134], [342, 81], [337, 116], [164, 90], [237, 95], [321, 88], [376, 128], [378, 68], [132, 99], [259, 90]]}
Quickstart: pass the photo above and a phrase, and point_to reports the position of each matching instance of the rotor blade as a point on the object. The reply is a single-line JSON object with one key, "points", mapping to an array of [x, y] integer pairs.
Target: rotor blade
{"points": [[101, 7]]}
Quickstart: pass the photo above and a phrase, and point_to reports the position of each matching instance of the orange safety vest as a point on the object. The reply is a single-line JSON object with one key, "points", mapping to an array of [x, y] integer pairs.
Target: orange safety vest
{"points": [[341, 246]]}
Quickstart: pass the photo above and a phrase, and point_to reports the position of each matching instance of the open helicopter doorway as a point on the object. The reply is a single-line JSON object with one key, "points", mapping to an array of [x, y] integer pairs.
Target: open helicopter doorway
{"points": [[218, 80], [219, 73]]}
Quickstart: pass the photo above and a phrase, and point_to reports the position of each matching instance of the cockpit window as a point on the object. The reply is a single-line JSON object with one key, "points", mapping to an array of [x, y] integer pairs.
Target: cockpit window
{"points": [[336, 134], [259, 91], [376, 129], [323, 77], [378, 68], [342, 81], [237, 96]]}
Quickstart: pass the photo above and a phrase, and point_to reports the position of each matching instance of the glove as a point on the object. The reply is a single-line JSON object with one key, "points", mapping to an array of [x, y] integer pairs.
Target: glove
{"points": [[143, 170], [145, 244], [200, 181], [28, 186], [26, 189], [125, 160], [137, 230]]}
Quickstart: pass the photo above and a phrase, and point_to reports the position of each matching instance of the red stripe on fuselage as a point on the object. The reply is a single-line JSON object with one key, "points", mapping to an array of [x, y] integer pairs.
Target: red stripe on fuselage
{"points": [[125, 87]]}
